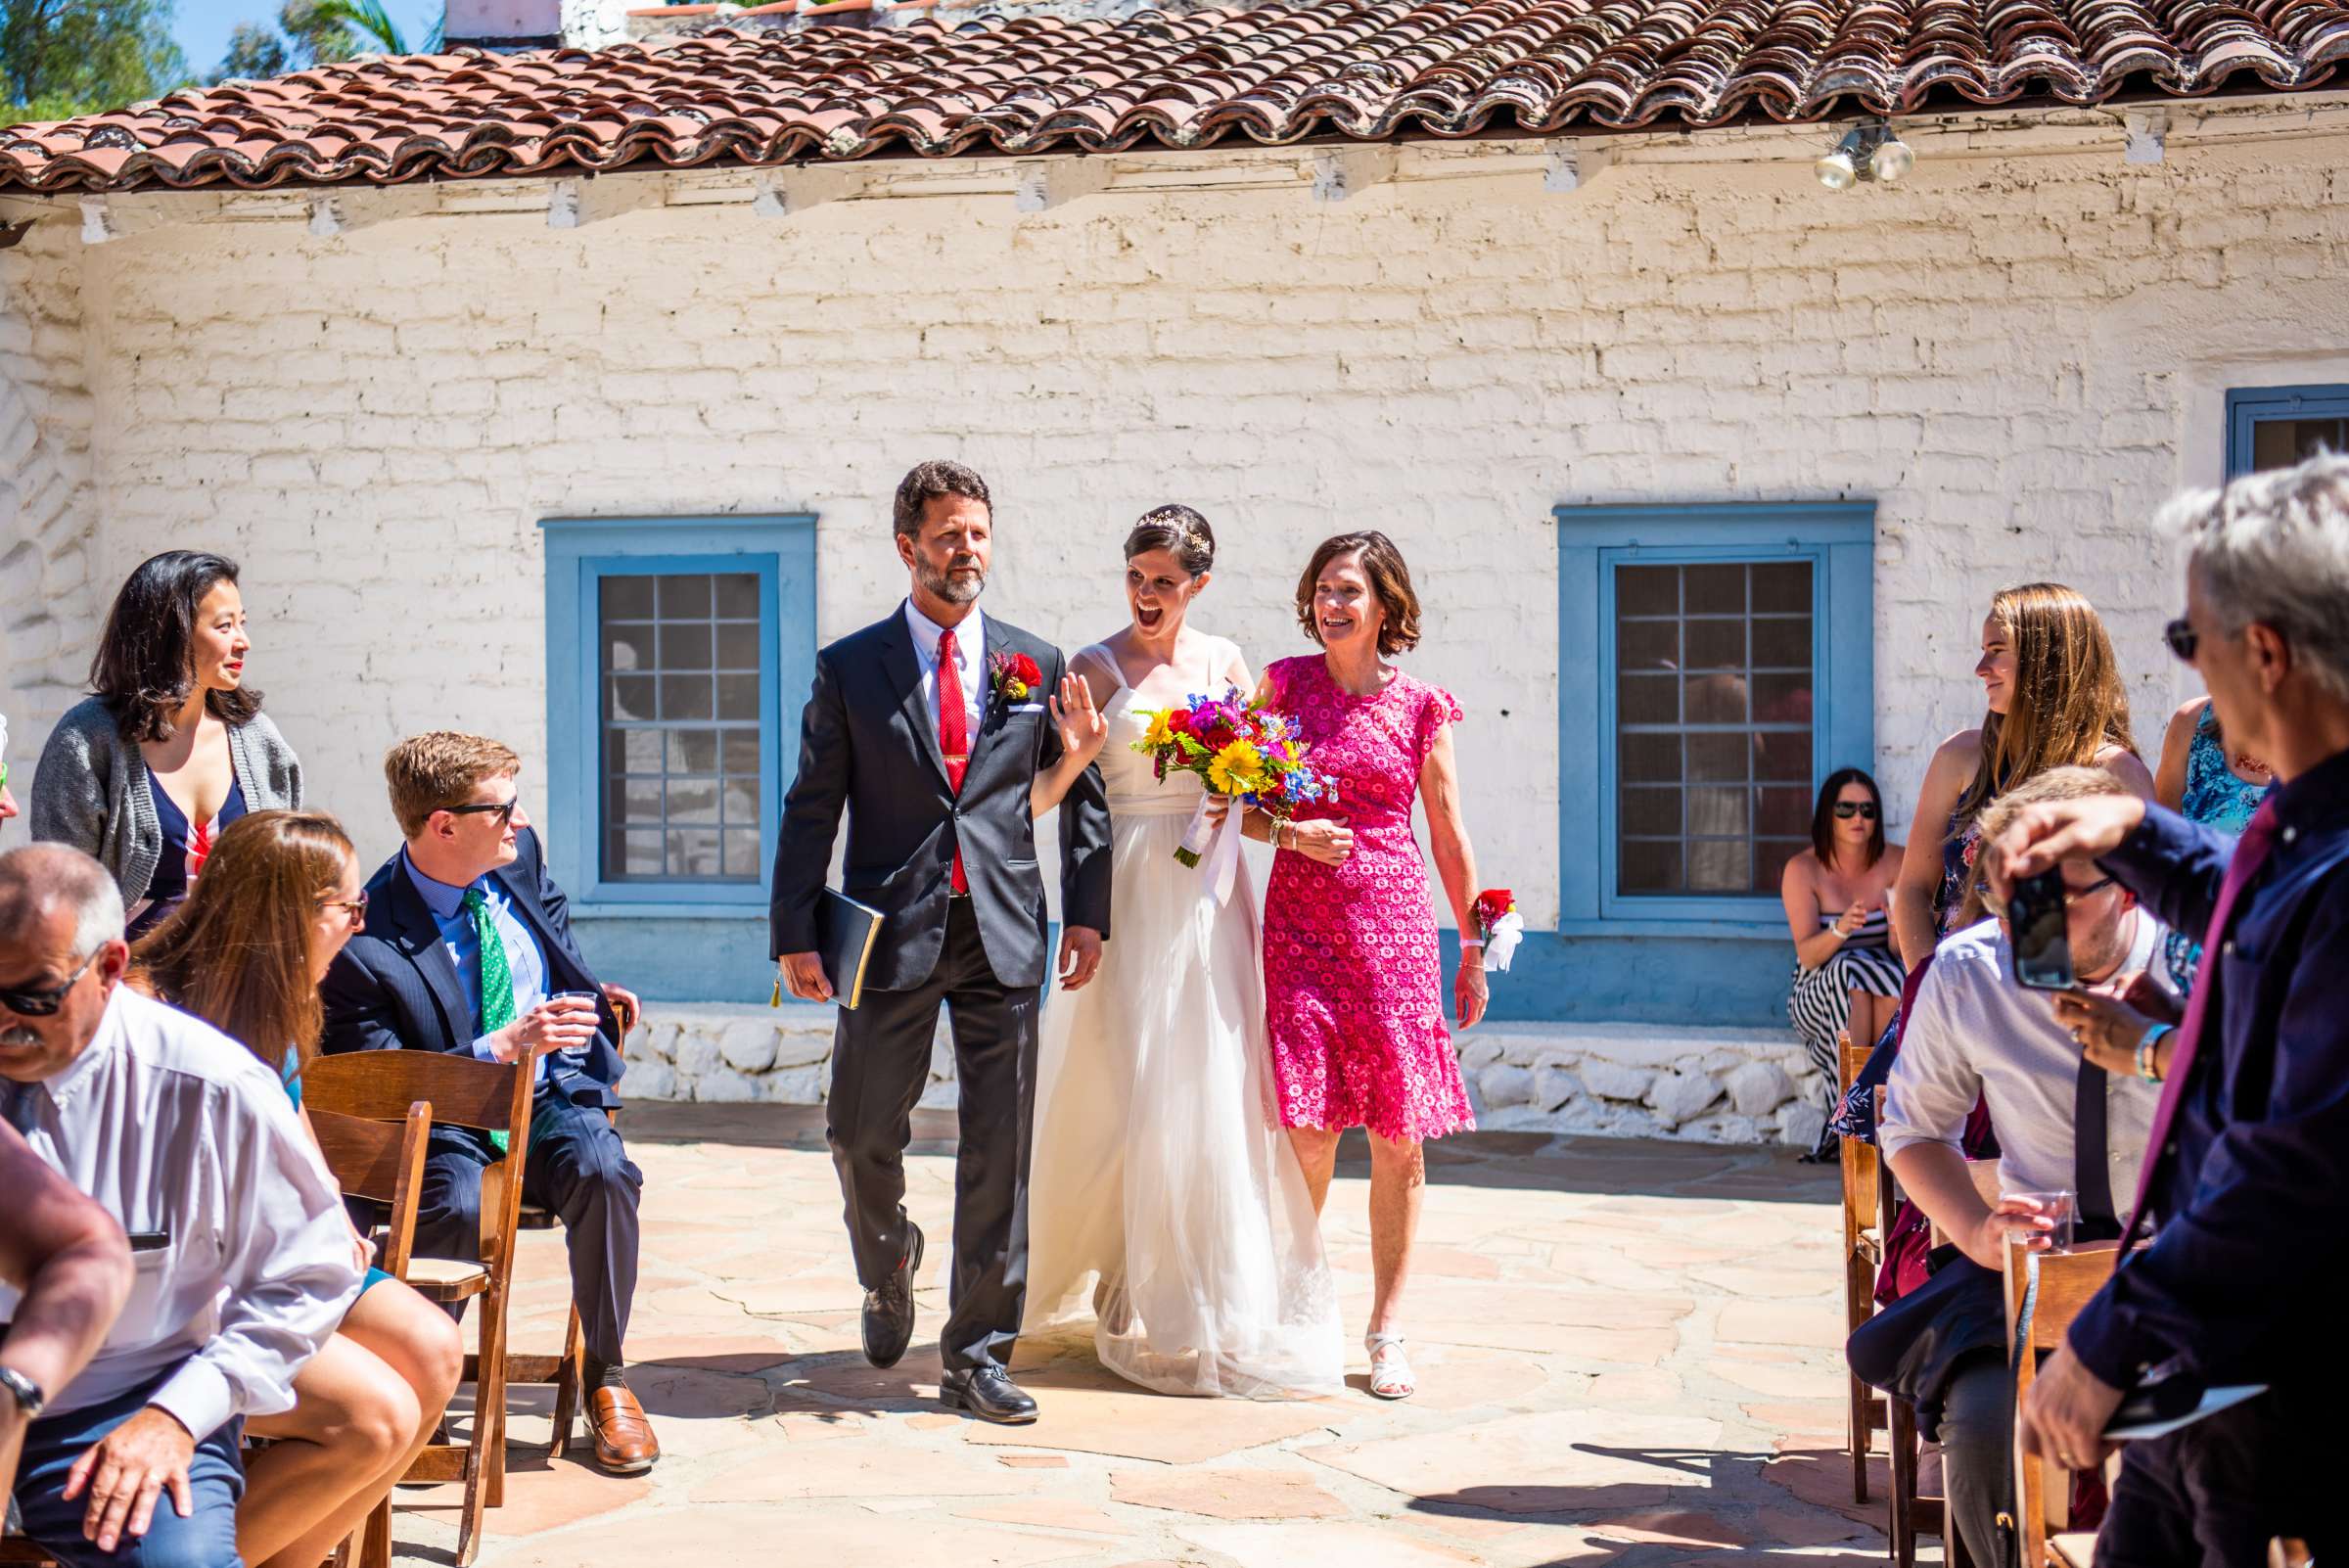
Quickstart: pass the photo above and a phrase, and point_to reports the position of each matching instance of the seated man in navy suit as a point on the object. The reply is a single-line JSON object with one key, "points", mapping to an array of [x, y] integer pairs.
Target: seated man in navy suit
{"points": [[467, 949]]}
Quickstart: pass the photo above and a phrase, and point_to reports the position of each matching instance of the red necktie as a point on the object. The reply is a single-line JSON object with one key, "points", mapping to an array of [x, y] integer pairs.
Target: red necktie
{"points": [[2250, 852], [953, 734]]}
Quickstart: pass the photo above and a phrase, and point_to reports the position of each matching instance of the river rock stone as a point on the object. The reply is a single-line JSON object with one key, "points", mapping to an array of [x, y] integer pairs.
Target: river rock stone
{"points": [[747, 1044], [1615, 1081], [1678, 1098], [1757, 1088]]}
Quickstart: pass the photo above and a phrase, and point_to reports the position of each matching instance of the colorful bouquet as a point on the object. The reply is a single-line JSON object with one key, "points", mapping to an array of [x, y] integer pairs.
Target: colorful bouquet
{"points": [[1499, 925], [1243, 751]]}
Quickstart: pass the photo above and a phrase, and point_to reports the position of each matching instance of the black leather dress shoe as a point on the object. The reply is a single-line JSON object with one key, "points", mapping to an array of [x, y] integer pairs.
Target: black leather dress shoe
{"points": [[987, 1392], [888, 1306]]}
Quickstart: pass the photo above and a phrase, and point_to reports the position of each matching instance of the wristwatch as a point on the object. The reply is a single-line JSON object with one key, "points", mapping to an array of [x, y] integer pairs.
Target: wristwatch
{"points": [[27, 1393]]}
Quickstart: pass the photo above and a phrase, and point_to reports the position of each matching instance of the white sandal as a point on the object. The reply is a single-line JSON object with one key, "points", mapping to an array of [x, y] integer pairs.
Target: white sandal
{"points": [[1390, 1373]]}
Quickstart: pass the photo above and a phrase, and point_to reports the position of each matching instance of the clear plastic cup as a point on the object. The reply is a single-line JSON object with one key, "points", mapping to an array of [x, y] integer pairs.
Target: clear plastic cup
{"points": [[2059, 1207]]}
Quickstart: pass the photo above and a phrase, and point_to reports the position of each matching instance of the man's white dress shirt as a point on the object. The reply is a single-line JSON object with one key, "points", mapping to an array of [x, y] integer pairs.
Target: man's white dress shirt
{"points": [[1977, 1034], [970, 662], [185, 1135]]}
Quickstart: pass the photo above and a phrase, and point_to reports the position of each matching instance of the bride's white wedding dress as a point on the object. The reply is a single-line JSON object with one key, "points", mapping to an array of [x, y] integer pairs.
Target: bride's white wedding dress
{"points": [[1163, 1201]]}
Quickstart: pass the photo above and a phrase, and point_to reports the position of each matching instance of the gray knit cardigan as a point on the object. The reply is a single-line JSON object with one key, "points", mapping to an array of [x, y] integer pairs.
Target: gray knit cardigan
{"points": [[90, 790]]}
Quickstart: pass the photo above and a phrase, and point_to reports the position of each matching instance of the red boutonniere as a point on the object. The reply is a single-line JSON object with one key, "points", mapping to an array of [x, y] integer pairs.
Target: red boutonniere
{"points": [[1015, 677]]}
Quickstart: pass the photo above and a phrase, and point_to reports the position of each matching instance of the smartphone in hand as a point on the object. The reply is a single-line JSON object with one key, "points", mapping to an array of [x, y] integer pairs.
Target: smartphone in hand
{"points": [[2035, 922]]}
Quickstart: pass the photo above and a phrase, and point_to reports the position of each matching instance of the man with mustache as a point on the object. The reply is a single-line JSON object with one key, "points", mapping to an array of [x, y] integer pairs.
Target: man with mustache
{"points": [[930, 729]]}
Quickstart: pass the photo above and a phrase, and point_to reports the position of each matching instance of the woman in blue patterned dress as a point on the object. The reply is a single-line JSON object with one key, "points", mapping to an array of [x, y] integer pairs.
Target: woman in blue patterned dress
{"points": [[2207, 781]]}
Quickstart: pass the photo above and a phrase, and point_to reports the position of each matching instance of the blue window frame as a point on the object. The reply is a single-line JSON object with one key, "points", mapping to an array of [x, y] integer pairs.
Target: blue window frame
{"points": [[676, 647], [2276, 427], [1715, 663]]}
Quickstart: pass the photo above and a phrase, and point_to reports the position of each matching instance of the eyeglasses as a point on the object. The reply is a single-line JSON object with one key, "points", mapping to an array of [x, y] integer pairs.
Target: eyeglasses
{"points": [[503, 810], [1847, 809], [2181, 639], [356, 907], [43, 1001], [2071, 895]]}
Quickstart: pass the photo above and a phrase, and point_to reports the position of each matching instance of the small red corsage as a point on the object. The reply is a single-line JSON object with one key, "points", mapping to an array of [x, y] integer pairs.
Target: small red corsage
{"points": [[1015, 677]]}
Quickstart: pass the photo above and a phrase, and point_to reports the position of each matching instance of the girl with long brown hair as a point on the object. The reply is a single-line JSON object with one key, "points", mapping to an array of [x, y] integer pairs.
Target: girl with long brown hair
{"points": [[280, 895], [2054, 696]]}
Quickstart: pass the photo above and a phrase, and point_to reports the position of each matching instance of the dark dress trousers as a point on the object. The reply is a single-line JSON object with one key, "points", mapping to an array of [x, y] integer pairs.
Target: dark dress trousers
{"points": [[869, 747], [394, 986]]}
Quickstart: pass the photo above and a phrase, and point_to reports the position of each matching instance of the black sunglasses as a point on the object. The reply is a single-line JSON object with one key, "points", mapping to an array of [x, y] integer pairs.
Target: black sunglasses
{"points": [[1847, 809], [2181, 639], [43, 1001], [503, 810]]}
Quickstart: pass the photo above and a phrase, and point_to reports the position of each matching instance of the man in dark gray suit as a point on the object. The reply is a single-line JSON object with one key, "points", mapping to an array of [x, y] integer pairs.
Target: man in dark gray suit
{"points": [[936, 730]]}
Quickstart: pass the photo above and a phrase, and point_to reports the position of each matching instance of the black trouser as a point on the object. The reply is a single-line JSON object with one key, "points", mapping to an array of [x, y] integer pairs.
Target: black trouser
{"points": [[880, 1063], [1977, 1454], [577, 1168], [2213, 1495]]}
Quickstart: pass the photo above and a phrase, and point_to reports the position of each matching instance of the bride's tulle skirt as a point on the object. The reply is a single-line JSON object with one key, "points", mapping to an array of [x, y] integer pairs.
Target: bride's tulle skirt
{"points": [[1163, 1203]]}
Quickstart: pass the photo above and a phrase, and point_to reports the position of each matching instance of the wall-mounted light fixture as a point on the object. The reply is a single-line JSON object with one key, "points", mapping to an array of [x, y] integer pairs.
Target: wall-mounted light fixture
{"points": [[1868, 151]]}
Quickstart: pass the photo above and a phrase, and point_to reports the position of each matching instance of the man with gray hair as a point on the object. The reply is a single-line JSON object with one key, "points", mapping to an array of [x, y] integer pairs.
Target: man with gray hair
{"points": [[2249, 1151], [242, 1256]]}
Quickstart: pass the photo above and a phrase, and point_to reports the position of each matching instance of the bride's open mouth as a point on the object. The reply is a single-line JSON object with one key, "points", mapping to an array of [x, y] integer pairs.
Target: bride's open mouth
{"points": [[1148, 618]]}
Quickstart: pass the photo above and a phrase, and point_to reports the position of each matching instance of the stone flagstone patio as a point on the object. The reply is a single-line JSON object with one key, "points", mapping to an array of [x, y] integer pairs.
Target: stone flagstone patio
{"points": [[1626, 1353]]}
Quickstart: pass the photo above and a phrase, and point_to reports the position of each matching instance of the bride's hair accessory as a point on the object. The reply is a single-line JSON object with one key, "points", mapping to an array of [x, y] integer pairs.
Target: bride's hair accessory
{"points": [[1015, 677], [1498, 927]]}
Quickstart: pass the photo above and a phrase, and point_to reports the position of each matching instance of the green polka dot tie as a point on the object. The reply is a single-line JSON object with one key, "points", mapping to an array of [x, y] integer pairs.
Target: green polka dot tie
{"points": [[497, 979]]}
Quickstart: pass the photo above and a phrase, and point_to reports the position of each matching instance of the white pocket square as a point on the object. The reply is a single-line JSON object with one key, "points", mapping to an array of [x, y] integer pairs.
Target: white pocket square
{"points": [[1025, 707]]}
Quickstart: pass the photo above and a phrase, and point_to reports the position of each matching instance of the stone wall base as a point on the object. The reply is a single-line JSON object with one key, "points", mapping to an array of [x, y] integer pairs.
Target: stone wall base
{"points": [[1704, 1085]]}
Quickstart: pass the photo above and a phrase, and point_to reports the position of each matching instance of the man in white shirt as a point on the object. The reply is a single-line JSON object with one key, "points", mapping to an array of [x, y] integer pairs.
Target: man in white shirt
{"points": [[2062, 1123], [242, 1255]]}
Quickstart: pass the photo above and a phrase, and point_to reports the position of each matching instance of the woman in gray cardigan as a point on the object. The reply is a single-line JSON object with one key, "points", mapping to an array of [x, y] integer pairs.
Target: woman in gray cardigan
{"points": [[172, 745]]}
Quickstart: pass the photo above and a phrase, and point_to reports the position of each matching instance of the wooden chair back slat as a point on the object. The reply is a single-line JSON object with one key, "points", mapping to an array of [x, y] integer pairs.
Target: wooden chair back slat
{"points": [[381, 1085], [1860, 1173], [2066, 1281], [383, 1162]]}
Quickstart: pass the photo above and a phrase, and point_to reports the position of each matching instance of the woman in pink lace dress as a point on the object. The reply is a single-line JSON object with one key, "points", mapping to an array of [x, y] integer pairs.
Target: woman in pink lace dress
{"points": [[1353, 980]]}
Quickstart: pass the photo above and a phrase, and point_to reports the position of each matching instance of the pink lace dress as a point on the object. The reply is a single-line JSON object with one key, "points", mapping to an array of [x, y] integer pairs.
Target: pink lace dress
{"points": [[1353, 989]]}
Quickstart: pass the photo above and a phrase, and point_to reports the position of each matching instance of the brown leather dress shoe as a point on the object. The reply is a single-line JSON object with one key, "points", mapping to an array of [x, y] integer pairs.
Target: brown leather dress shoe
{"points": [[624, 1444]]}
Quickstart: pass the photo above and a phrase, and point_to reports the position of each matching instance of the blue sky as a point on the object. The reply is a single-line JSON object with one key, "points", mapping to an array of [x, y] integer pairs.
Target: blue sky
{"points": [[202, 26]]}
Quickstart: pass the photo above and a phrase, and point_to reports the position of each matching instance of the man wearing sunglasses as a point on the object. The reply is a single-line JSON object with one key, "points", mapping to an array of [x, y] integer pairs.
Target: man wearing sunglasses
{"points": [[2245, 1192], [240, 1250], [467, 949], [2064, 1125]]}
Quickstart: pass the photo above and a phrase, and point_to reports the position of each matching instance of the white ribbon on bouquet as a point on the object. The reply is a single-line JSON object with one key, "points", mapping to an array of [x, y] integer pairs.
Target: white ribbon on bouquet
{"points": [[1218, 847]]}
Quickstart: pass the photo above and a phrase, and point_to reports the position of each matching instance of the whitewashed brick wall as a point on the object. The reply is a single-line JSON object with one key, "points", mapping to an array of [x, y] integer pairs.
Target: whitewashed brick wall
{"points": [[2016, 357]]}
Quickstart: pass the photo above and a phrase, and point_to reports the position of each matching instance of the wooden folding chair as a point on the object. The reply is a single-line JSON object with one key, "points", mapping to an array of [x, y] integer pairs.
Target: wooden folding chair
{"points": [[1863, 1257], [2057, 1285], [567, 1372], [1912, 1513], [383, 1162], [489, 1097]]}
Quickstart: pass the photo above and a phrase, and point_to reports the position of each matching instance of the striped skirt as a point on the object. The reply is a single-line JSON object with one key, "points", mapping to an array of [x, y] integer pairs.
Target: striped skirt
{"points": [[1821, 1004]]}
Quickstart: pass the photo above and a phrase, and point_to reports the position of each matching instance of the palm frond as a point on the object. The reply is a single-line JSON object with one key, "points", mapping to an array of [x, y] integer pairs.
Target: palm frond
{"points": [[367, 17]]}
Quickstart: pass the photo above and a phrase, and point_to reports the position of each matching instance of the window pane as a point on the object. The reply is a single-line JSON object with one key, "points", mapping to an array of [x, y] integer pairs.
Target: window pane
{"points": [[1651, 812], [1739, 743], [738, 596], [1714, 590], [1715, 645], [2284, 442], [1650, 867], [1649, 699], [685, 697], [686, 597], [682, 790], [1648, 645], [738, 646], [738, 698], [684, 646], [1652, 758], [627, 598], [1782, 588], [1647, 590]]}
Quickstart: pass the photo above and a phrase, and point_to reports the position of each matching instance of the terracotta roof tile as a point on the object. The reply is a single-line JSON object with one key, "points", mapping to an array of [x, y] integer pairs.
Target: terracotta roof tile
{"points": [[772, 86]]}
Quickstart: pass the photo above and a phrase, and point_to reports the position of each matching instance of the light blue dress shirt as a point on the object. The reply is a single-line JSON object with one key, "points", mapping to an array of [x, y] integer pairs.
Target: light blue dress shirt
{"points": [[524, 959]]}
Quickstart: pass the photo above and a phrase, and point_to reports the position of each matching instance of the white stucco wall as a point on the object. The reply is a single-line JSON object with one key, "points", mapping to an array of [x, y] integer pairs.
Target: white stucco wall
{"points": [[2016, 355]]}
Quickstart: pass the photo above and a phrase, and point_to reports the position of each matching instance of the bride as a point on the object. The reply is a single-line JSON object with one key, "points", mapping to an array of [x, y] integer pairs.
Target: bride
{"points": [[1164, 1204]]}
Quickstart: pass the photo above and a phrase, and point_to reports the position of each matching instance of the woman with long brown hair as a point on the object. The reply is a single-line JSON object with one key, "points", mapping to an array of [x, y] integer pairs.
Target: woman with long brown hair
{"points": [[2053, 692], [280, 895]]}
